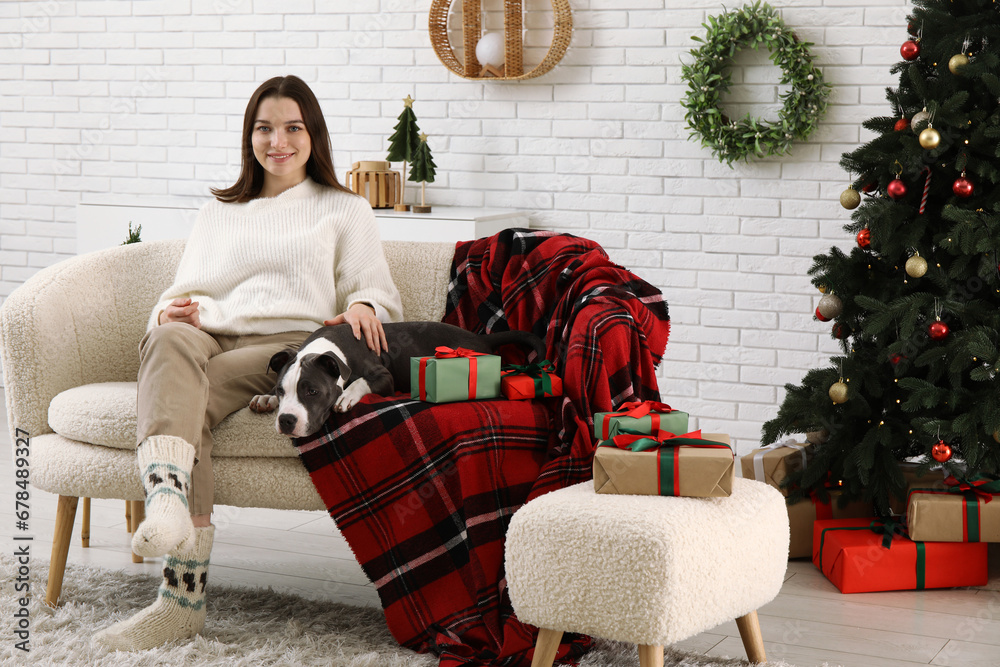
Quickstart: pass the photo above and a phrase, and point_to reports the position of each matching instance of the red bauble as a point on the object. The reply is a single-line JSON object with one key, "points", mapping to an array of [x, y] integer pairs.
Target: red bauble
{"points": [[938, 330], [870, 188], [840, 332], [963, 187], [895, 358], [901, 124], [864, 238], [896, 189], [909, 50], [941, 451], [819, 316]]}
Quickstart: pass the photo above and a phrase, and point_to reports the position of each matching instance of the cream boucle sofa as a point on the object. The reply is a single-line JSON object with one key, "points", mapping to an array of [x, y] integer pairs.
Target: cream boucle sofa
{"points": [[70, 338]]}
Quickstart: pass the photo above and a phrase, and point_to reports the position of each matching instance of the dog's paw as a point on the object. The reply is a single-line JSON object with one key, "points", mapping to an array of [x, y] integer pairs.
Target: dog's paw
{"points": [[352, 396], [264, 403]]}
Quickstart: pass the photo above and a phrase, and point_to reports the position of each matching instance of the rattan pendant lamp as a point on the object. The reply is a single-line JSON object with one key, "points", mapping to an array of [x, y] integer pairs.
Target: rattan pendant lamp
{"points": [[513, 44]]}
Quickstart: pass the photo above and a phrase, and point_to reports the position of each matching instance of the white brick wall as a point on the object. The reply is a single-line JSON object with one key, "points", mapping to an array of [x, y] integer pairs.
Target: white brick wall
{"points": [[109, 97]]}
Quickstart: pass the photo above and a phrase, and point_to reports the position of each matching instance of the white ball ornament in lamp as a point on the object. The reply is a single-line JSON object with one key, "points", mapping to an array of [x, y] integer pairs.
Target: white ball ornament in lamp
{"points": [[489, 49]]}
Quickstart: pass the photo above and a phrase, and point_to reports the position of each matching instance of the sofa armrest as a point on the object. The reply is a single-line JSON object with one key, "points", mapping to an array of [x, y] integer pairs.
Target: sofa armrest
{"points": [[79, 322]]}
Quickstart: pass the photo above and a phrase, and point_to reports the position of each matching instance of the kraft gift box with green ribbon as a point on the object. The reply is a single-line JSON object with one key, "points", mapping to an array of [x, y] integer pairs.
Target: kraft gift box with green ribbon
{"points": [[640, 417], [774, 463], [691, 465], [955, 510], [868, 555], [454, 375], [527, 381]]}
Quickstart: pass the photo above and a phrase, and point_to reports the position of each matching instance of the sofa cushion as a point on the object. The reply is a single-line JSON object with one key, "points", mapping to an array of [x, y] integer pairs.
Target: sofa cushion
{"points": [[105, 414]]}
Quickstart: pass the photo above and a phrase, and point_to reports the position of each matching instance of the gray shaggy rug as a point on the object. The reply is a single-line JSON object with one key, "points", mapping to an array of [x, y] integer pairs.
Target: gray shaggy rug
{"points": [[245, 628]]}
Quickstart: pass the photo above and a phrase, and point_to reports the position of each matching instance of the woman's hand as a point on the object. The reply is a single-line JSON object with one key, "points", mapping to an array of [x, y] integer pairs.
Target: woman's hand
{"points": [[362, 319], [181, 310]]}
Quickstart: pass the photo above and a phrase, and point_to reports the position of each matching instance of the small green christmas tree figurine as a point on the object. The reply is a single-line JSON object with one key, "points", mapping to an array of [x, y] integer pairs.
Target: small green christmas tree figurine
{"points": [[403, 144], [916, 302], [422, 171]]}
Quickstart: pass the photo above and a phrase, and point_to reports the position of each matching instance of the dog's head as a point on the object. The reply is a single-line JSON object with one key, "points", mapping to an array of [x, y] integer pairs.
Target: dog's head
{"points": [[308, 385]]}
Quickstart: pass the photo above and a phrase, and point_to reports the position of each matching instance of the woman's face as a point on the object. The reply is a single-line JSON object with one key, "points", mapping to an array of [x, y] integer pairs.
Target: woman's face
{"points": [[281, 142]]}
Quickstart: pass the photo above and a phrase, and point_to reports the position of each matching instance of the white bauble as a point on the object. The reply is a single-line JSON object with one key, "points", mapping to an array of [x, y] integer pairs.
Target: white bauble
{"points": [[489, 49], [919, 121]]}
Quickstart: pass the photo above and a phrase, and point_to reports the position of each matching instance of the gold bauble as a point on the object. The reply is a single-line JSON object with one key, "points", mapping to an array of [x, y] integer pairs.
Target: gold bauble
{"points": [[838, 392], [996, 435], [957, 62], [830, 306], [930, 138], [822, 289], [916, 266], [850, 198]]}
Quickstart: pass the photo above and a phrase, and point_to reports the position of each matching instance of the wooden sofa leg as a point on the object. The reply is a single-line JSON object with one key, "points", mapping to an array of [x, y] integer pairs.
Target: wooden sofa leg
{"points": [[545, 647], [753, 640], [85, 524], [65, 515], [650, 655], [138, 515], [128, 516]]}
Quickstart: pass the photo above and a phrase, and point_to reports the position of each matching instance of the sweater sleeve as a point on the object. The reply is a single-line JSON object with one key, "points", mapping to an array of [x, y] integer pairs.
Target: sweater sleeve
{"points": [[362, 273]]}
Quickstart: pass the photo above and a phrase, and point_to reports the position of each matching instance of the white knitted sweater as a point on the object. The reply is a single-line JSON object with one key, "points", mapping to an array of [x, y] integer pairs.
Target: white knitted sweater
{"points": [[283, 263]]}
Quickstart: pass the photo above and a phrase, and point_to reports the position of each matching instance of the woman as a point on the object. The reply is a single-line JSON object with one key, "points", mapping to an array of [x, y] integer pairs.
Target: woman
{"points": [[283, 251]]}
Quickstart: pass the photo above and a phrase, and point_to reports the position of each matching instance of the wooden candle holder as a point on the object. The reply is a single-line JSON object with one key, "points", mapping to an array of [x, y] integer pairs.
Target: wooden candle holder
{"points": [[376, 182]]}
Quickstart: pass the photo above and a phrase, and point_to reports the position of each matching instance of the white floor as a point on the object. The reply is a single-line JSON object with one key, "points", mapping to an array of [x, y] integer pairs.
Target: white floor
{"points": [[810, 623]]}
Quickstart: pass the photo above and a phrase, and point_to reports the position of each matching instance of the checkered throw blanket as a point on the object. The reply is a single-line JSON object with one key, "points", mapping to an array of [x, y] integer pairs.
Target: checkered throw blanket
{"points": [[424, 493]]}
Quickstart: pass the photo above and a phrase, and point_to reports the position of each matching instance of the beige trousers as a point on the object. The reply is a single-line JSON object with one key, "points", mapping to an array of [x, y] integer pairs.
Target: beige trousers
{"points": [[189, 381]]}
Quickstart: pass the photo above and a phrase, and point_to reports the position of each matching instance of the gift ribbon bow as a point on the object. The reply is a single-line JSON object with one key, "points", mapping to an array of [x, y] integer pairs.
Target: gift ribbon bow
{"points": [[538, 371], [758, 458], [887, 528], [445, 352], [983, 487], [667, 446], [636, 410]]}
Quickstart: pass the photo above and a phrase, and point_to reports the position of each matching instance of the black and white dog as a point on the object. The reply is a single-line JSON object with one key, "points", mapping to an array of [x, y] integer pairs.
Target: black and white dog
{"points": [[332, 370]]}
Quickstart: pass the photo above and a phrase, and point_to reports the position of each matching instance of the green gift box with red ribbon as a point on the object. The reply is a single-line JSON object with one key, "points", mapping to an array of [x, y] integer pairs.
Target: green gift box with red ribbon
{"points": [[955, 510], [868, 555], [527, 381], [665, 464], [454, 375], [640, 417]]}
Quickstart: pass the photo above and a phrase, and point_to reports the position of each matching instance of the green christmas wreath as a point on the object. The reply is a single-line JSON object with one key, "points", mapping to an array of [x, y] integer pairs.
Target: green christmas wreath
{"points": [[710, 75]]}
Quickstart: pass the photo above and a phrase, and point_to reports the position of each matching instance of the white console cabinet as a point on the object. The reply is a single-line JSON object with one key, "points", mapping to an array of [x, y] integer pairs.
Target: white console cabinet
{"points": [[102, 225]]}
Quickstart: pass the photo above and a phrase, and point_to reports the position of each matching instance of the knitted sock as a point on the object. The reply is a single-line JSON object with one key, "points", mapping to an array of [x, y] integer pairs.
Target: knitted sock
{"points": [[179, 610], [165, 463]]}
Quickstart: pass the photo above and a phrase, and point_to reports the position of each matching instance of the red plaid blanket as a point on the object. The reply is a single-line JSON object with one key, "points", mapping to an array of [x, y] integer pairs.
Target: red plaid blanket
{"points": [[424, 493]]}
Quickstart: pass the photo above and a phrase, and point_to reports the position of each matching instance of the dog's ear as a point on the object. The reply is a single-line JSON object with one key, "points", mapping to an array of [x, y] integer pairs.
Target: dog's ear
{"points": [[334, 365], [280, 360]]}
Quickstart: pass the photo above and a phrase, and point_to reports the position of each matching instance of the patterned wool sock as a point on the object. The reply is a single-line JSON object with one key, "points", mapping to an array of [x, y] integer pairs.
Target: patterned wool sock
{"points": [[165, 463], [179, 610]]}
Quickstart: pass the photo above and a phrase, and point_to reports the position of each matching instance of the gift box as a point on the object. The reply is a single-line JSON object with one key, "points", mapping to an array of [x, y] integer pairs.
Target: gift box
{"points": [[954, 510], [690, 465], [454, 375], [805, 512], [640, 417], [537, 380], [867, 555], [772, 464]]}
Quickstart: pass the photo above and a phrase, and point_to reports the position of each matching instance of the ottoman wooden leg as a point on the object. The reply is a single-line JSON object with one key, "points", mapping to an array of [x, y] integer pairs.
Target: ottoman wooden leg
{"points": [[138, 515], [85, 524], [545, 647], [65, 514], [650, 656], [753, 641]]}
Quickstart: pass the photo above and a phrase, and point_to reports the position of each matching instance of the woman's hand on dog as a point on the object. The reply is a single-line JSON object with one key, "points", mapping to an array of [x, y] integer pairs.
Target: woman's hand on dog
{"points": [[362, 319], [181, 310]]}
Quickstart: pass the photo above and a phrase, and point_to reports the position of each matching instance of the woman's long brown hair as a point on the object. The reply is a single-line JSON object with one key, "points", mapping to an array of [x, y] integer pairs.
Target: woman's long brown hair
{"points": [[320, 164]]}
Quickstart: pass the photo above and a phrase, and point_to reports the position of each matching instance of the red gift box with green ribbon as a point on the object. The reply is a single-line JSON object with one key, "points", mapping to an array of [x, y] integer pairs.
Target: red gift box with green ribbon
{"points": [[869, 555], [640, 417], [955, 510], [665, 464], [454, 375], [527, 381]]}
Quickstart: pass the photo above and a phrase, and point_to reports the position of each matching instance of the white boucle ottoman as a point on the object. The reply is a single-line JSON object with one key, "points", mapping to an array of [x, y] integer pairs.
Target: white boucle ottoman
{"points": [[650, 570]]}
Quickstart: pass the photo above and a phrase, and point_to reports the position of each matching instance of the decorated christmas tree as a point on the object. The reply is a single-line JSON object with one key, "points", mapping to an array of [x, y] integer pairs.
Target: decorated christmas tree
{"points": [[915, 304]]}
